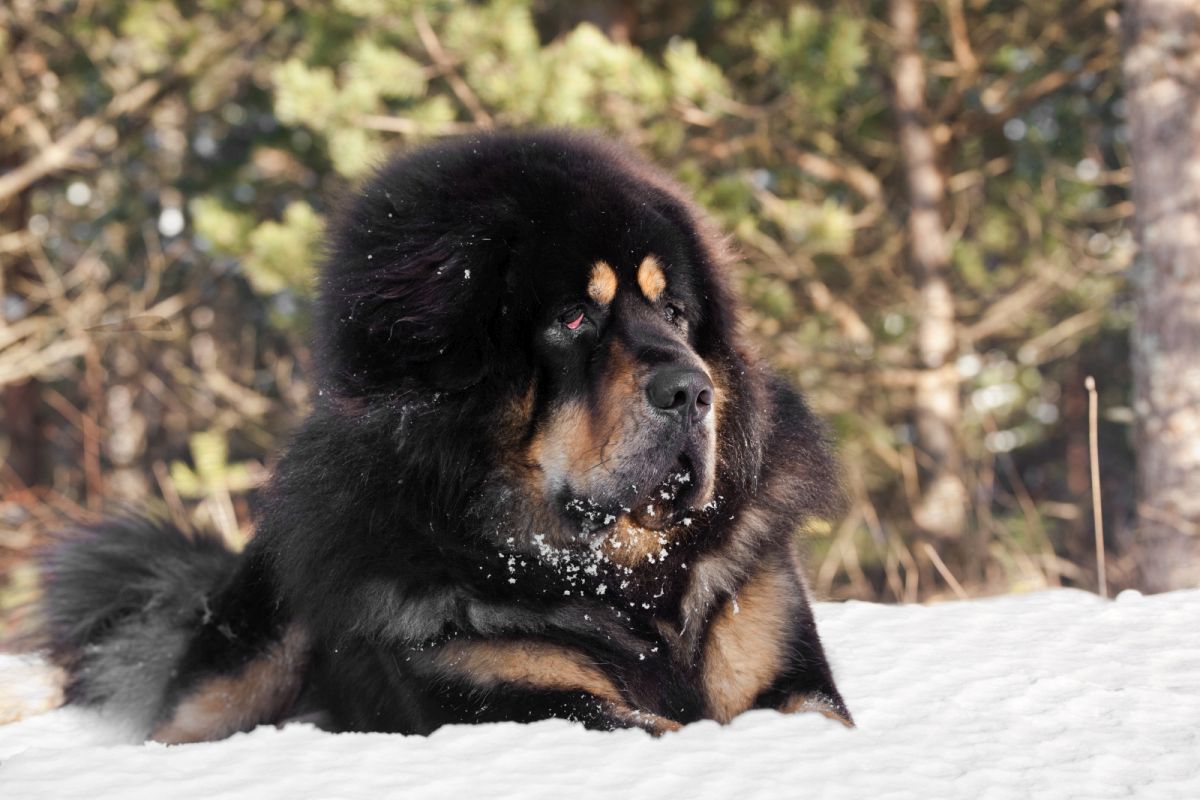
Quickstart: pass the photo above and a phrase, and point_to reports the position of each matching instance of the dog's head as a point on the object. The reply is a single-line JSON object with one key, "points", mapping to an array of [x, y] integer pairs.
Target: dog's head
{"points": [[631, 407], [570, 292]]}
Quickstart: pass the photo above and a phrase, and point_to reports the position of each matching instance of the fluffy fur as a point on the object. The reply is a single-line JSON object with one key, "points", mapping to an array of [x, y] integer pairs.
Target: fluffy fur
{"points": [[521, 494]]}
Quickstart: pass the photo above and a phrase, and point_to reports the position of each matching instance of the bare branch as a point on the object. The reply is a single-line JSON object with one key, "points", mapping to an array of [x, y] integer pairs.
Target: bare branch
{"points": [[1001, 111], [433, 46], [1009, 309], [61, 153], [960, 42], [412, 127], [854, 176]]}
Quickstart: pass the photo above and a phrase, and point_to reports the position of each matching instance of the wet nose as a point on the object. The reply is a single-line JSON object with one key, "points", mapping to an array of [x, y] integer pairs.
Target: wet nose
{"points": [[683, 391]]}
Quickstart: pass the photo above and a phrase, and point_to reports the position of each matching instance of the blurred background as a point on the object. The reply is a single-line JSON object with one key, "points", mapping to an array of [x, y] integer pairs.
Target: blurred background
{"points": [[933, 202]]}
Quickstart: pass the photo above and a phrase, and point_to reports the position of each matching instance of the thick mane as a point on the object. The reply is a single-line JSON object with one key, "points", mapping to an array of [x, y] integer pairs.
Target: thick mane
{"points": [[416, 277]]}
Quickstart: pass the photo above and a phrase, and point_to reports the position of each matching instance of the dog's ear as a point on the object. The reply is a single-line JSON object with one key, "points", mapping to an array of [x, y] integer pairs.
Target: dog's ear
{"points": [[411, 294]]}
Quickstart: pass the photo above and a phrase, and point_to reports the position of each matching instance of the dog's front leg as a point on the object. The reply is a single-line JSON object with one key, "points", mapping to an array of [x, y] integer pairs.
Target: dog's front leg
{"points": [[761, 650]]}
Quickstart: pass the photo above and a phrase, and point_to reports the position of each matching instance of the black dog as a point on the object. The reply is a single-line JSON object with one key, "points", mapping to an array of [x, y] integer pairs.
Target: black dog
{"points": [[544, 478]]}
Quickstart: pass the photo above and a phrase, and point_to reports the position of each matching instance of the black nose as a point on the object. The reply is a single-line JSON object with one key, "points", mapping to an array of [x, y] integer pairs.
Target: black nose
{"points": [[681, 390]]}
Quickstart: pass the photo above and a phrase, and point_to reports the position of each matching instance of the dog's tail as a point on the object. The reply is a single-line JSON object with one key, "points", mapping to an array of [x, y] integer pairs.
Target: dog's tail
{"points": [[121, 601]]}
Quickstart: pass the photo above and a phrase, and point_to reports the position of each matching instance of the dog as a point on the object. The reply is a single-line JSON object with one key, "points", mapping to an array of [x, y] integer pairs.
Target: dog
{"points": [[544, 477]]}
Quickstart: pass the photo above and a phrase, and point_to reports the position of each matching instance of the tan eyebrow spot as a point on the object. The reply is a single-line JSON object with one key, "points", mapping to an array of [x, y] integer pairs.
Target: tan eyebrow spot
{"points": [[650, 278], [602, 286]]}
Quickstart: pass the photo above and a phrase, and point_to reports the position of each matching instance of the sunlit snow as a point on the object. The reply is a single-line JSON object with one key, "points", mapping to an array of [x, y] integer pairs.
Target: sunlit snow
{"points": [[1056, 695]]}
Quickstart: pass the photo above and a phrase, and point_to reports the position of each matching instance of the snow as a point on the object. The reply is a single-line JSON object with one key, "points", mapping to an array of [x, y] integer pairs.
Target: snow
{"points": [[1051, 695]]}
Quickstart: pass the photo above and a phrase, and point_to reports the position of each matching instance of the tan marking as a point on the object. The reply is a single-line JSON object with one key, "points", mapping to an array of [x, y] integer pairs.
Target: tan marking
{"points": [[561, 449], [720, 393], [602, 286], [720, 571], [712, 424], [515, 420], [651, 723], [650, 278], [806, 703], [631, 545], [535, 664], [521, 410], [259, 693], [672, 635], [539, 665], [563, 446], [622, 388], [745, 646], [575, 442]]}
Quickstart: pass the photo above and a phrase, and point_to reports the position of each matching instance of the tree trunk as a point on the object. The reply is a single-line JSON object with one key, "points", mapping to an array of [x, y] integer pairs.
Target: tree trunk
{"points": [[1162, 85], [942, 508]]}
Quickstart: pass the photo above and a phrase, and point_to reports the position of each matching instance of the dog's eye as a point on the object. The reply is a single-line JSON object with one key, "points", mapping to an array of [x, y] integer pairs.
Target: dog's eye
{"points": [[572, 319], [673, 314]]}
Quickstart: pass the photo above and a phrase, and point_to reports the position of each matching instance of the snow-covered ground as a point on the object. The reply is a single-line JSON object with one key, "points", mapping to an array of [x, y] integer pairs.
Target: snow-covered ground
{"points": [[1055, 695]]}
